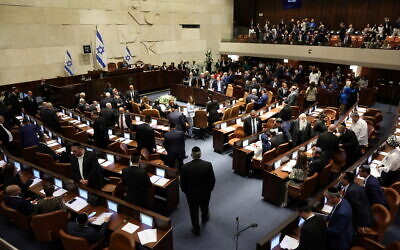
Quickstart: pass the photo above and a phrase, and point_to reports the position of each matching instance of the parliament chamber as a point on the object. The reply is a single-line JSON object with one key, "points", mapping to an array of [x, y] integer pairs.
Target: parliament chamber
{"points": [[217, 124]]}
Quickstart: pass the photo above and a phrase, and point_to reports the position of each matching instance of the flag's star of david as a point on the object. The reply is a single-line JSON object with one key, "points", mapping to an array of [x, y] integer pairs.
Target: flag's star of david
{"points": [[100, 50], [69, 63], [127, 57]]}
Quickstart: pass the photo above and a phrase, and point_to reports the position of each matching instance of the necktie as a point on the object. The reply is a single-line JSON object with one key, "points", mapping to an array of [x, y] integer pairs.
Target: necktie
{"points": [[254, 126], [121, 122]]}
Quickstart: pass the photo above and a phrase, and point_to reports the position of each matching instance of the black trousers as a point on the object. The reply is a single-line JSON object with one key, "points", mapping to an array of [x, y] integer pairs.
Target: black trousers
{"points": [[194, 205]]}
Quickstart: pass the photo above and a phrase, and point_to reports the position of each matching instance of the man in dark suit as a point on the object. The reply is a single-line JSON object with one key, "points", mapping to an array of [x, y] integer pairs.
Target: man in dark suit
{"points": [[358, 200], [372, 187], [280, 134], [263, 100], [291, 100], [83, 228], [340, 226], [283, 91], [212, 111], [252, 97], [300, 130], [107, 99], [328, 142], [13, 100], [85, 167], [286, 113], [190, 81], [137, 183], [13, 200], [29, 134], [349, 142], [218, 85], [49, 117], [6, 138], [29, 104], [132, 94], [145, 135], [177, 118], [174, 144], [313, 231], [197, 182], [318, 161], [108, 114], [202, 81], [320, 125], [252, 124], [123, 120], [100, 128]]}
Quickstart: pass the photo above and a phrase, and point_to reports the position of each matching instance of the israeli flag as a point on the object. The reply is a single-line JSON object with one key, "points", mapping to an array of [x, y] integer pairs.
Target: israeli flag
{"points": [[128, 56], [68, 64], [100, 50]]}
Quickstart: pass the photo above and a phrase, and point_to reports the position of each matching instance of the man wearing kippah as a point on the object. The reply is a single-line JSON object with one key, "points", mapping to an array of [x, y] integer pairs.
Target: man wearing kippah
{"points": [[349, 142], [391, 163], [197, 182]]}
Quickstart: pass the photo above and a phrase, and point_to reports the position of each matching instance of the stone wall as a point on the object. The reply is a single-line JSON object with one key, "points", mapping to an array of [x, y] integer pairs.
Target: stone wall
{"points": [[34, 34]]}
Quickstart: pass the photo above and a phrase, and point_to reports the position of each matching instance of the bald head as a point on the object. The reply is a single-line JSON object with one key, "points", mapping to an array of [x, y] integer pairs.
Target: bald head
{"points": [[108, 105], [13, 190], [108, 95]]}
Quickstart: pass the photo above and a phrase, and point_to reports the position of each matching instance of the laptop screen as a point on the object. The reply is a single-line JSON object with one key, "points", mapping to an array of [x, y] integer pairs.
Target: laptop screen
{"points": [[147, 220], [160, 172], [83, 193], [112, 206]]}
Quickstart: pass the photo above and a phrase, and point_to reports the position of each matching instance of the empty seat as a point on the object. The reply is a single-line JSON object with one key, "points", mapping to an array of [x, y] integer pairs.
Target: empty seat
{"points": [[46, 226], [121, 241], [236, 136], [325, 174], [200, 124], [73, 243], [283, 148], [16, 217], [393, 202]]}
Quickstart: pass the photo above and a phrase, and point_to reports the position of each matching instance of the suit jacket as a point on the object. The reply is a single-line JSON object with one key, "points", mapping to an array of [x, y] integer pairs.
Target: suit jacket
{"points": [[29, 135], [192, 81], [109, 116], [104, 101], [174, 143], [145, 137], [4, 137], [128, 120], [313, 234], [299, 136], [292, 99], [374, 191], [340, 227], [30, 105], [357, 197], [19, 204], [318, 164], [177, 118], [197, 179], [13, 100], [44, 149], [350, 145], [212, 110], [247, 125], [137, 183], [279, 137], [87, 232], [215, 86], [132, 96], [92, 171], [286, 113], [282, 93], [251, 97], [329, 143], [100, 128], [262, 101], [319, 127], [49, 119]]}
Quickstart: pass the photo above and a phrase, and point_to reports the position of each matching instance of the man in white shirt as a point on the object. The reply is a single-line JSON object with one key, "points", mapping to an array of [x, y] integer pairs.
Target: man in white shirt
{"points": [[6, 137], [123, 119], [391, 163], [360, 128], [85, 167]]}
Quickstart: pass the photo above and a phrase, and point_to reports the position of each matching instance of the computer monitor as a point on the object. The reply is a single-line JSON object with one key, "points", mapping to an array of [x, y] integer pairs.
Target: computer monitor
{"points": [[238, 121], [17, 165], [88, 123], [223, 125], [275, 241], [110, 132], [58, 182], [78, 118], [34, 122], [245, 143], [153, 122], [50, 134], [146, 219], [5, 158], [36, 173], [21, 95], [160, 172], [63, 111], [309, 145], [127, 136], [301, 221], [137, 118], [83, 193], [59, 140], [277, 164], [42, 128], [294, 155], [89, 149], [369, 159], [112, 206], [110, 157]]}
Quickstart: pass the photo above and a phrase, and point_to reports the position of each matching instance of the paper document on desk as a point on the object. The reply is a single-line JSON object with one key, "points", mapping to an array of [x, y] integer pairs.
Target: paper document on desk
{"points": [[289, 166], [129, 228], [19, 118], [101, 218], [228, 129], [154, 179], [51, 142], [106, 163], [327, 209], [91, 131], [383, 153], [77, 205], [139, 122], [127, 141], [35, 181], [147, 236], [82, 125], [289, 243], [112, 136], [60, 150], [319, 110], [377, 162], [59, 192], [374, 170], [65, 118], [162, 181]]}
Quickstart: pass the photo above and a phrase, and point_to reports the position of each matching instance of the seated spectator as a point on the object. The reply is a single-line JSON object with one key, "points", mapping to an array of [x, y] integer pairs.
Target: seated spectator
{"points": [[372, 187], [12, 177], [14, 200], [83, 228], [29, 134], [82, 105], [49, 203], [263, 100], [318, 161], [300, 170], [252, 97], [266, 142]]}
